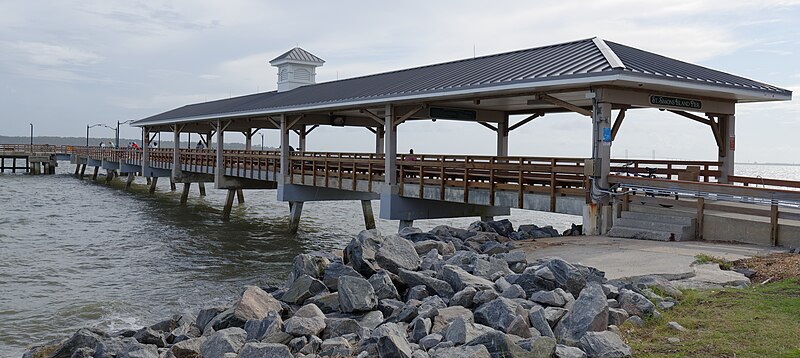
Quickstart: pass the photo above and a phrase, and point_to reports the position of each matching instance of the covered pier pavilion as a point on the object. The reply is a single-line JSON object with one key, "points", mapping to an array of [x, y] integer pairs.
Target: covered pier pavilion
{"points": [[598, 79]]}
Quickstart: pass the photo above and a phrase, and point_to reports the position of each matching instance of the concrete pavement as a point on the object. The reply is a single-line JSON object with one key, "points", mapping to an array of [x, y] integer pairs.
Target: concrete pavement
{"points": [[621, 258]]}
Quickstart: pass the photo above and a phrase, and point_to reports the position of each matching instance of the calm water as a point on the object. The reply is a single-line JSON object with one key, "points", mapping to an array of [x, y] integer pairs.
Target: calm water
{"points": [[75, 253]]}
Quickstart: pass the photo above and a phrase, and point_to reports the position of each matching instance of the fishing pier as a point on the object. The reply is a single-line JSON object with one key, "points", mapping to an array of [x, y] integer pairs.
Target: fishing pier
{"points": [[602, 81]]}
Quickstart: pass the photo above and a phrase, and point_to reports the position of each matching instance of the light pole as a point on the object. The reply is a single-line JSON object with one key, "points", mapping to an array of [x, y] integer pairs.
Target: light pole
{"points": [[92, 126], [262, 141], [117, 131], [31, 136]]}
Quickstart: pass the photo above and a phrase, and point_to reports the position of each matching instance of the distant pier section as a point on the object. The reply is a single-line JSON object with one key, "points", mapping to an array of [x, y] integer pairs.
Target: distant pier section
{"points": [[31, 159]]}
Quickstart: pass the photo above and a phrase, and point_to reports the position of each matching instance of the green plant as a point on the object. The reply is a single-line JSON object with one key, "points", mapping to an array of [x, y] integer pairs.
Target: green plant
{"points": [[708, 259]]}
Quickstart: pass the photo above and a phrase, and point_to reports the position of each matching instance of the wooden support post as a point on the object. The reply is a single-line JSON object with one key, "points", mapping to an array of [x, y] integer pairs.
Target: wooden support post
{"points": [[404, 224], [294, 216], [128, 182], [202, 187], [172, 184], [773, 225], [487, 218], [369, 217], [502, 137], [94, 174], [390, 171], [701, 205], [77, 168], [185, 193], [83, 170], [727, 126], [148, 180], [153, 185], [226, 211], [240, 196], [109, 175]]}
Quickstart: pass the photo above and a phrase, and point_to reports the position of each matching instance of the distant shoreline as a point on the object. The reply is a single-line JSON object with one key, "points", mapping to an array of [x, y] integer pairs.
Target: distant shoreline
{"points": [[776, 164]]}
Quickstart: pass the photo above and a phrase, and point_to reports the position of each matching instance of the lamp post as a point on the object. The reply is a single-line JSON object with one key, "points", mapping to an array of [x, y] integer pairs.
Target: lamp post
{"points": [[262, 141], [31, 136], [92, 126], [117, 131]]}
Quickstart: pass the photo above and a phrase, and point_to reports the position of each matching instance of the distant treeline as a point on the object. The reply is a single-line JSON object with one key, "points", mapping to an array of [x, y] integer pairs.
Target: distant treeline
{"points": [[95, 141]]}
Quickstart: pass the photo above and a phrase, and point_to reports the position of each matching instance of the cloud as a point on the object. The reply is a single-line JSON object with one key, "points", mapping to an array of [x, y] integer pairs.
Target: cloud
{"points": [[44, 54]]}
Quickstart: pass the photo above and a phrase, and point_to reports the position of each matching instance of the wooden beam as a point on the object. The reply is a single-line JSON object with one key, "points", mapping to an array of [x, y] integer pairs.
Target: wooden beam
{"points": [[487, 125], [292, 123], [617, 123], [525, 121], [717, 135], [274, 123], [372, 115], [371, 130], [693, 117], [408, 115], [312, 128], [564, 104]]}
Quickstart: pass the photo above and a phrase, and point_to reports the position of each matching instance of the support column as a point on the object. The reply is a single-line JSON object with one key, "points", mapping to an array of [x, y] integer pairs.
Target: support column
{"points": [[146, 153], [128, 182], [302, 143], [226, 211], [83, 170], [94, 175], [109, 175], [294, 215], [219, 171], [248, 139], [176, 153], [379, 138], [240, 196], [172, 184], [598, 216], [502, 138], [148, 180], [369, 217], [284, 150], [727, 128], [390, 147], [404, 224], [202, 187], [185, 193], [77, 167], [487, 218], [153, 183]]}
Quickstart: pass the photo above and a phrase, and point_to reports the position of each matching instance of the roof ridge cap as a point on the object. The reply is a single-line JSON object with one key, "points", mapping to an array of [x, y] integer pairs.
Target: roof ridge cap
{"points": [[613, 60]]}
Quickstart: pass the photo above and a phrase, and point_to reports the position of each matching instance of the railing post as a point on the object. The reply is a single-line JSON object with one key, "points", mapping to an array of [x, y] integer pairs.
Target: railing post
{"points": [[701, 204], [773, 224]]}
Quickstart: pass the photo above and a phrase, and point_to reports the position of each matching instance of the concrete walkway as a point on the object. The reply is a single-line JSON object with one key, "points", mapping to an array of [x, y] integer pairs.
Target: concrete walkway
{"points": [[621, 258]]}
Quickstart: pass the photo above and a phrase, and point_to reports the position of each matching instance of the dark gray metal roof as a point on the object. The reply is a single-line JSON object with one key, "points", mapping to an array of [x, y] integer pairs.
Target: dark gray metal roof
{"points": [[572, 60], [298, 54]]}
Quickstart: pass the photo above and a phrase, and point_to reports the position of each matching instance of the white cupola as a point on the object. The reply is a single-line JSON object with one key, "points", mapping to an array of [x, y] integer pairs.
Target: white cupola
{"points": [[296, 68]]}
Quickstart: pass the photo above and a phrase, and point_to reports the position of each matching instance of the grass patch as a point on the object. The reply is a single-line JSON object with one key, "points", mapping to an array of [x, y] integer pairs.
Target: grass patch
{"points": [[762, 321], [708, 259]]}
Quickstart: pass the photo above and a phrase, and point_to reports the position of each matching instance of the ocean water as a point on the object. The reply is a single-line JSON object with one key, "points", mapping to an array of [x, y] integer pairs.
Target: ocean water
{"points": [[75, 253]]}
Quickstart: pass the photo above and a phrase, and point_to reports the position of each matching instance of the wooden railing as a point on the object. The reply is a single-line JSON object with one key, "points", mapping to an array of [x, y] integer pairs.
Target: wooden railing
{"points": [[707, 171], [39, 148]]}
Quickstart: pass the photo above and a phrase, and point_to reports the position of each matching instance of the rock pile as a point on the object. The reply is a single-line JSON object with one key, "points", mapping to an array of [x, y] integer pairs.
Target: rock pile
{"points": [[444, 293]]}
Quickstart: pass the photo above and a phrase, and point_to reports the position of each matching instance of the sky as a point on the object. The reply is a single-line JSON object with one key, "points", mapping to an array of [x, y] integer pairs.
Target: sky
{"points": [[66, 64]]}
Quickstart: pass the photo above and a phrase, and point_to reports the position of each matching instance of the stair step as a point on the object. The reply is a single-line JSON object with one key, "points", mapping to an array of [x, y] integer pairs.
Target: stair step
{"points": [[669, 219], [652, 225], [660, 210], [641, 234]]}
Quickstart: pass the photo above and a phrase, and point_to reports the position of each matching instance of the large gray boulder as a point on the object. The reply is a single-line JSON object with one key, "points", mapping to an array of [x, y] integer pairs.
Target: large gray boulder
{"points": [[356, 294], [327, 302], [397, 253], [302, 288], [336, 347], [500, 345], [563, 351], [257, 329], [147, 335], [659, 283], [605, 344], [557, 297], [539, 346], [83, 338], [392, 341], [461, 352], [360, 252], [461, 331], [434, 286], [589, 313], [383, 285], [314, 266], [460, 279], [228, 340], [447, 315], [420, 328], [635, 304], [499, 313], [207, 314], [491, 268], [253, 304], [331, 276], [307, 321], [336, 327], [264, 350], [463, 298], [539, 321], [138, 350], [190, 348]]}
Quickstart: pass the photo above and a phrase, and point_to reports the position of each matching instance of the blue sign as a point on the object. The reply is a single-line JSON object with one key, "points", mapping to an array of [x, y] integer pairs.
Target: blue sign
{"points": [[607, 135]]}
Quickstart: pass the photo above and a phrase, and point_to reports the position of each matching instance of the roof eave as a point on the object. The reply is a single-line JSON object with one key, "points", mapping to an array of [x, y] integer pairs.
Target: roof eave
{"points": [[741, 94]]}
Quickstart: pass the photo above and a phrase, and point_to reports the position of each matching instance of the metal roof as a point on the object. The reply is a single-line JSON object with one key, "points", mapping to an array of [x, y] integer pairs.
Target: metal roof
{"points": [[578, 62], [298, 54]]}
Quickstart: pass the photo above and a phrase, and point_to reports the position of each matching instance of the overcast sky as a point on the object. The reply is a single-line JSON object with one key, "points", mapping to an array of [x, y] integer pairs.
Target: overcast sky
{"points": [[64, 64]]}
